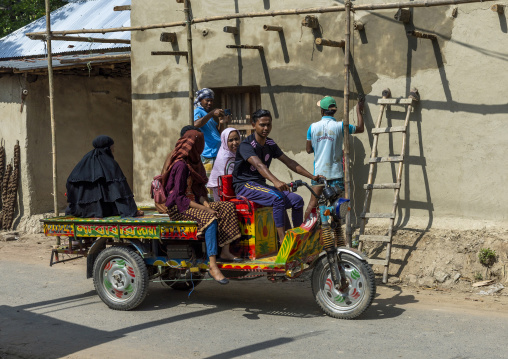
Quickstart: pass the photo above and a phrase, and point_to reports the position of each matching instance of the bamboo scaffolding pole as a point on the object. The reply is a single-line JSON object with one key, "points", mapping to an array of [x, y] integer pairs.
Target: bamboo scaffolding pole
{"points": [[190, 59], [231, 29], [347, 177], [272, 28], [315, 10], [121, 57], [174, 53], [252, 47], [81, 39], [421, 35], [52, 111], [331, 43], [122, 8]]}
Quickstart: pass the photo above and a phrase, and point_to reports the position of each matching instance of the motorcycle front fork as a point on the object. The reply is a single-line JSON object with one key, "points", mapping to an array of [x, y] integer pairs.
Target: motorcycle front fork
{"points": [[333, 237]]}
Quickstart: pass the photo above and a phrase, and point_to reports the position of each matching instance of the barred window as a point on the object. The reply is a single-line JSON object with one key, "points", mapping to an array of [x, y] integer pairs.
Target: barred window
{"points": [[243, 102]]}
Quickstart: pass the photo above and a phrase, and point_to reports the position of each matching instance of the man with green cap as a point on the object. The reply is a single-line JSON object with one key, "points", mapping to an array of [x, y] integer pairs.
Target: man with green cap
{"points": [[325, 139]]}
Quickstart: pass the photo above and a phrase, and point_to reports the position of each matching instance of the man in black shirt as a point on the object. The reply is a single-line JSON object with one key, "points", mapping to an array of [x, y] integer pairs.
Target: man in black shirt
{"points": [[252, 163]]}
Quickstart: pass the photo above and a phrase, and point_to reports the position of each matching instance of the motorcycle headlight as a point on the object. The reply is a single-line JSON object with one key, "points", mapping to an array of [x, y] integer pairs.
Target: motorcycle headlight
{"points": [[341, 208]]}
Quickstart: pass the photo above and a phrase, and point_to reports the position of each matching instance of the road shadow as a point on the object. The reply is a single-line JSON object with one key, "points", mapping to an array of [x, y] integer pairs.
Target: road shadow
{"points": [[262, 298], [248, 349], [388, 307]]}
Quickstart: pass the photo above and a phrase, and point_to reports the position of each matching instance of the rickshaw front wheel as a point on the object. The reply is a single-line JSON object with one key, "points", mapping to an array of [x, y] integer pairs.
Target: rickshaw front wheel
{"points": [[350, 301], [120, 278]]}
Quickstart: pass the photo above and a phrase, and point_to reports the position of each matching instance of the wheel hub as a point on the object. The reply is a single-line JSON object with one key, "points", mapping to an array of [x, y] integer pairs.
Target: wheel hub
{"points": [[119, 279], [349, 293]]}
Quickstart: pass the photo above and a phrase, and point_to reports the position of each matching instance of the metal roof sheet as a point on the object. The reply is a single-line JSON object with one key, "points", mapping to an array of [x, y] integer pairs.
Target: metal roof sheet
{"points": [[42, 63], [89, 14]]}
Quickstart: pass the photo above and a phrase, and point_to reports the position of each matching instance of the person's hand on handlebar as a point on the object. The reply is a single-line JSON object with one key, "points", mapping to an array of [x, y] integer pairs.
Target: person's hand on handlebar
{"points": [[281, 186], [319, 179]]}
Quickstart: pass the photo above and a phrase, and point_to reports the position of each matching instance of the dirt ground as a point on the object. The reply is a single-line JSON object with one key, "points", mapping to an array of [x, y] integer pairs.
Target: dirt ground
{"points": [[442, 265], [445, 259]]}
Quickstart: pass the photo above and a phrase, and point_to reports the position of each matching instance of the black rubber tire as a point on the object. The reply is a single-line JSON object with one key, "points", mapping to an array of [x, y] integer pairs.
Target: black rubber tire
{"points": [[355, 299], [120, 278]]}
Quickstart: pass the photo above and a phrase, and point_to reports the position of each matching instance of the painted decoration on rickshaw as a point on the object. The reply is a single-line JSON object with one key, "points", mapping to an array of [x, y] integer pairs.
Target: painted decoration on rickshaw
{"points": [[259, 236], [59, 230], [299, 246], [265, 264], [185, 232], [138, 231], [96, 230]]}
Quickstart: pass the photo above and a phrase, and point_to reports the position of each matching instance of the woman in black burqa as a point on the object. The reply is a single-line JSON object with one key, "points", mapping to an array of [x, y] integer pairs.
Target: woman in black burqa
{"points": [[97, 186]]}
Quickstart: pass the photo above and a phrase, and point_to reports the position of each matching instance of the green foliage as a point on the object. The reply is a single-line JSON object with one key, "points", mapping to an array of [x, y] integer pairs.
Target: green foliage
{"points": [[478, 276], [18, 13], [487, 256]]}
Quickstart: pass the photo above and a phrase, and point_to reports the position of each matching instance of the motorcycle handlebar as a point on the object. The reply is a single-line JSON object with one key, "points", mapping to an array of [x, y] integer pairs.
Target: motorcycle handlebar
{"points": [[298, 183]]}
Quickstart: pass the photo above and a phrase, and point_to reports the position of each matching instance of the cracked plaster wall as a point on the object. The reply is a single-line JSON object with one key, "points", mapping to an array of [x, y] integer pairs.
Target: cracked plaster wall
{"points": [[456, 138]]}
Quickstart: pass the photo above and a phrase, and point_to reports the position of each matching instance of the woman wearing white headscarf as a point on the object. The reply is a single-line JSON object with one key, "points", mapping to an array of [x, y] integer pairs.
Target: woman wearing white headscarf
{"points": [[230, 140]]}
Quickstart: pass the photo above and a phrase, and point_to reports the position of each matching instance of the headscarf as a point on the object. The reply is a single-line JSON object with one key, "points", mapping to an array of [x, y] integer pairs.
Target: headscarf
{"points": [[223, 157], [188, 128], [188, 149], [103, 141], [201, 95], [98, 163]]}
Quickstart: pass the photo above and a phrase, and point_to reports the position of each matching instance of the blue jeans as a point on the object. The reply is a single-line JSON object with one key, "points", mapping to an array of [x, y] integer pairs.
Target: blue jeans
{"points": [[212, 248]]}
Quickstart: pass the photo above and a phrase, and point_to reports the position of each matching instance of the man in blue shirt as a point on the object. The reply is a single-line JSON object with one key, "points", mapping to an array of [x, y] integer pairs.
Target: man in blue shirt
{"points": [[211, 122], [325, 139]]}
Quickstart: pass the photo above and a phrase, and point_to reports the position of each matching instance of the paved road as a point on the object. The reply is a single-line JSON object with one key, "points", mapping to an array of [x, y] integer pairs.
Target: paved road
{"points": [[54, 313]]}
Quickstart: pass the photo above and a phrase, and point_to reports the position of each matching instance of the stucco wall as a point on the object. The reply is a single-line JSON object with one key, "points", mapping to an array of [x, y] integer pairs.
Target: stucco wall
{"points": [[12, 129], [84, 108], [457, 139]]}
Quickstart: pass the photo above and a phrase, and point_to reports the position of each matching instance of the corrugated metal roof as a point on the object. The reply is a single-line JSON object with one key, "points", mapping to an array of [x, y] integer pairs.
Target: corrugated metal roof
{"points": [[86, 14], [42, 63]]}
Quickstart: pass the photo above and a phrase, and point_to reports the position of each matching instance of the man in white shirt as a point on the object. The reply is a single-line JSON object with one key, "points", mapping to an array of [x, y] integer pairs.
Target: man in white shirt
{"points": [[325, 139]]}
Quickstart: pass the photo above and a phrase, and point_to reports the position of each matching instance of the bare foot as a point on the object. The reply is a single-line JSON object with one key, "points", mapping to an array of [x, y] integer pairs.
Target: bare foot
{"points": [[139, 213]]}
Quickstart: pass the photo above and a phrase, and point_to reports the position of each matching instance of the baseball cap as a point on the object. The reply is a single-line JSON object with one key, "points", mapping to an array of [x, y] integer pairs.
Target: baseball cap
{"points": [[326, 102]]}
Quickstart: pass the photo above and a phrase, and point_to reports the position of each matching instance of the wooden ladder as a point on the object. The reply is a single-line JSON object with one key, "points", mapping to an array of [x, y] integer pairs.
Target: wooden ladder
{"points": [[374, 160]]}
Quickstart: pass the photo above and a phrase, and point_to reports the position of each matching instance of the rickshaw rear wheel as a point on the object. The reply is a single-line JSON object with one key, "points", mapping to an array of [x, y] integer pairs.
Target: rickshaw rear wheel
{"points": [[353, 300], [120, 278]]}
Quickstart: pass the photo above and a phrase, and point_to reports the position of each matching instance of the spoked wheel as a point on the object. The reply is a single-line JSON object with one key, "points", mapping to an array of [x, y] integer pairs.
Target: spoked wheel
{"points": [[121, 278], [351, 300]]}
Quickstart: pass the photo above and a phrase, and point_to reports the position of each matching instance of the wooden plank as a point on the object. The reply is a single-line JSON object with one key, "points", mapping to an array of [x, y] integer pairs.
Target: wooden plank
{"points": [[483, 283], [377, 215], [382, 262], [382, 186], [372, 238], [389, 129], [395, 101], [387, 159]]}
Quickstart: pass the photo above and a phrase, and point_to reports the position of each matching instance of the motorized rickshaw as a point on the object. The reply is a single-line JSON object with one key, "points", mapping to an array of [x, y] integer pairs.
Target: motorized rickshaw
{"points": [[124, 254]]}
